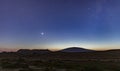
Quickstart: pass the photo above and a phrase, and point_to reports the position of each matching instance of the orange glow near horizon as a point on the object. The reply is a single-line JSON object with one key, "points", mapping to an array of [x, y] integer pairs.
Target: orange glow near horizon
{"points": [[57, 47]]}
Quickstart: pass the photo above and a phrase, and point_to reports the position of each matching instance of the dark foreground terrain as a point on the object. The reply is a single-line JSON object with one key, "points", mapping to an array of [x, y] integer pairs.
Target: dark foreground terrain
{"points": [[60, 61]]}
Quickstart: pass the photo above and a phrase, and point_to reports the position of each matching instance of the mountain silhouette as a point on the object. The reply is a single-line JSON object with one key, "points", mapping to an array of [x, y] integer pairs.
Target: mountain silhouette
{"points": [[76, 49], [37, 51]]}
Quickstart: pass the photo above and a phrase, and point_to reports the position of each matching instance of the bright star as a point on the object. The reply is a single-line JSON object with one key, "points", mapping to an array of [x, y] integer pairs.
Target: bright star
{"points": [[42, 33]]}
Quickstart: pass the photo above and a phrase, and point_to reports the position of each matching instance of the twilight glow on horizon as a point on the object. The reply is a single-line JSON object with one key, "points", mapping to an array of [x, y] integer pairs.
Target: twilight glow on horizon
{"points": [[58, 24]]}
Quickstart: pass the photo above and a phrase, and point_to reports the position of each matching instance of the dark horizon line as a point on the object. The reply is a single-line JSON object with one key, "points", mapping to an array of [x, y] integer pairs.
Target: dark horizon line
{"points": [[54, 49]]}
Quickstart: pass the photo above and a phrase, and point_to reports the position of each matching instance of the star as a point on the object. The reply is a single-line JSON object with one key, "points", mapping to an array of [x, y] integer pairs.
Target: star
{"points": [[42, 33], [89, 8]]}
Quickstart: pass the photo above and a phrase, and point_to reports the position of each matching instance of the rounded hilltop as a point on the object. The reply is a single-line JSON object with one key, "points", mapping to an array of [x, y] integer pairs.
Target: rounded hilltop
{"points": [[76, 49]]}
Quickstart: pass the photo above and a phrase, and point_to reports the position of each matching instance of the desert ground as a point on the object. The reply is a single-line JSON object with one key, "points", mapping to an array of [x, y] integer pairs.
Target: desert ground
{"points": [[60, 61]]}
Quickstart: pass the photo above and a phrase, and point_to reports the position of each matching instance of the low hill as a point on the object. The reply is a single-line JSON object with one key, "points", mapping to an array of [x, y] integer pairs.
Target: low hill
{"points": [[36, 51], [76, 49]]}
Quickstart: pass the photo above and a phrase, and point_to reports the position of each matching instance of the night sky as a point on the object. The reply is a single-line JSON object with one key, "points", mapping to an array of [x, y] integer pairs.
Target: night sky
{"points": [[58, 24]]}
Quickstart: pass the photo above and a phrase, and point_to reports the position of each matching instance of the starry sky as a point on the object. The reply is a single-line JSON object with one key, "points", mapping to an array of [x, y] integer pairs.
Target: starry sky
{"points": [[58, 24]]}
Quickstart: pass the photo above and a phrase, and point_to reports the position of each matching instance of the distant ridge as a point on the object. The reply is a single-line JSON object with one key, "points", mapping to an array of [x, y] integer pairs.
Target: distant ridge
{"points": [[113, 50], [37, 51], [76, 49]]}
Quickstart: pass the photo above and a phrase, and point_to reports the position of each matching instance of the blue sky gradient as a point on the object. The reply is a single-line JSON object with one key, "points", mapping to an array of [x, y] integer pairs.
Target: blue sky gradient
{"points": [[83, 23]]}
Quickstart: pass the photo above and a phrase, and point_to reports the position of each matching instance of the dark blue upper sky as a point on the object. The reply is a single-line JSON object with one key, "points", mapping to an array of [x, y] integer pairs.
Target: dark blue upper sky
{"points": [[84, 23]]}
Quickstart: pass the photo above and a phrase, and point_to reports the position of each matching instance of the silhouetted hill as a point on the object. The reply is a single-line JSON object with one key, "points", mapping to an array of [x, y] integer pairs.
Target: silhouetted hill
{"points": [[71, 53], [114, 50], [76, 49], [34, 51]]}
